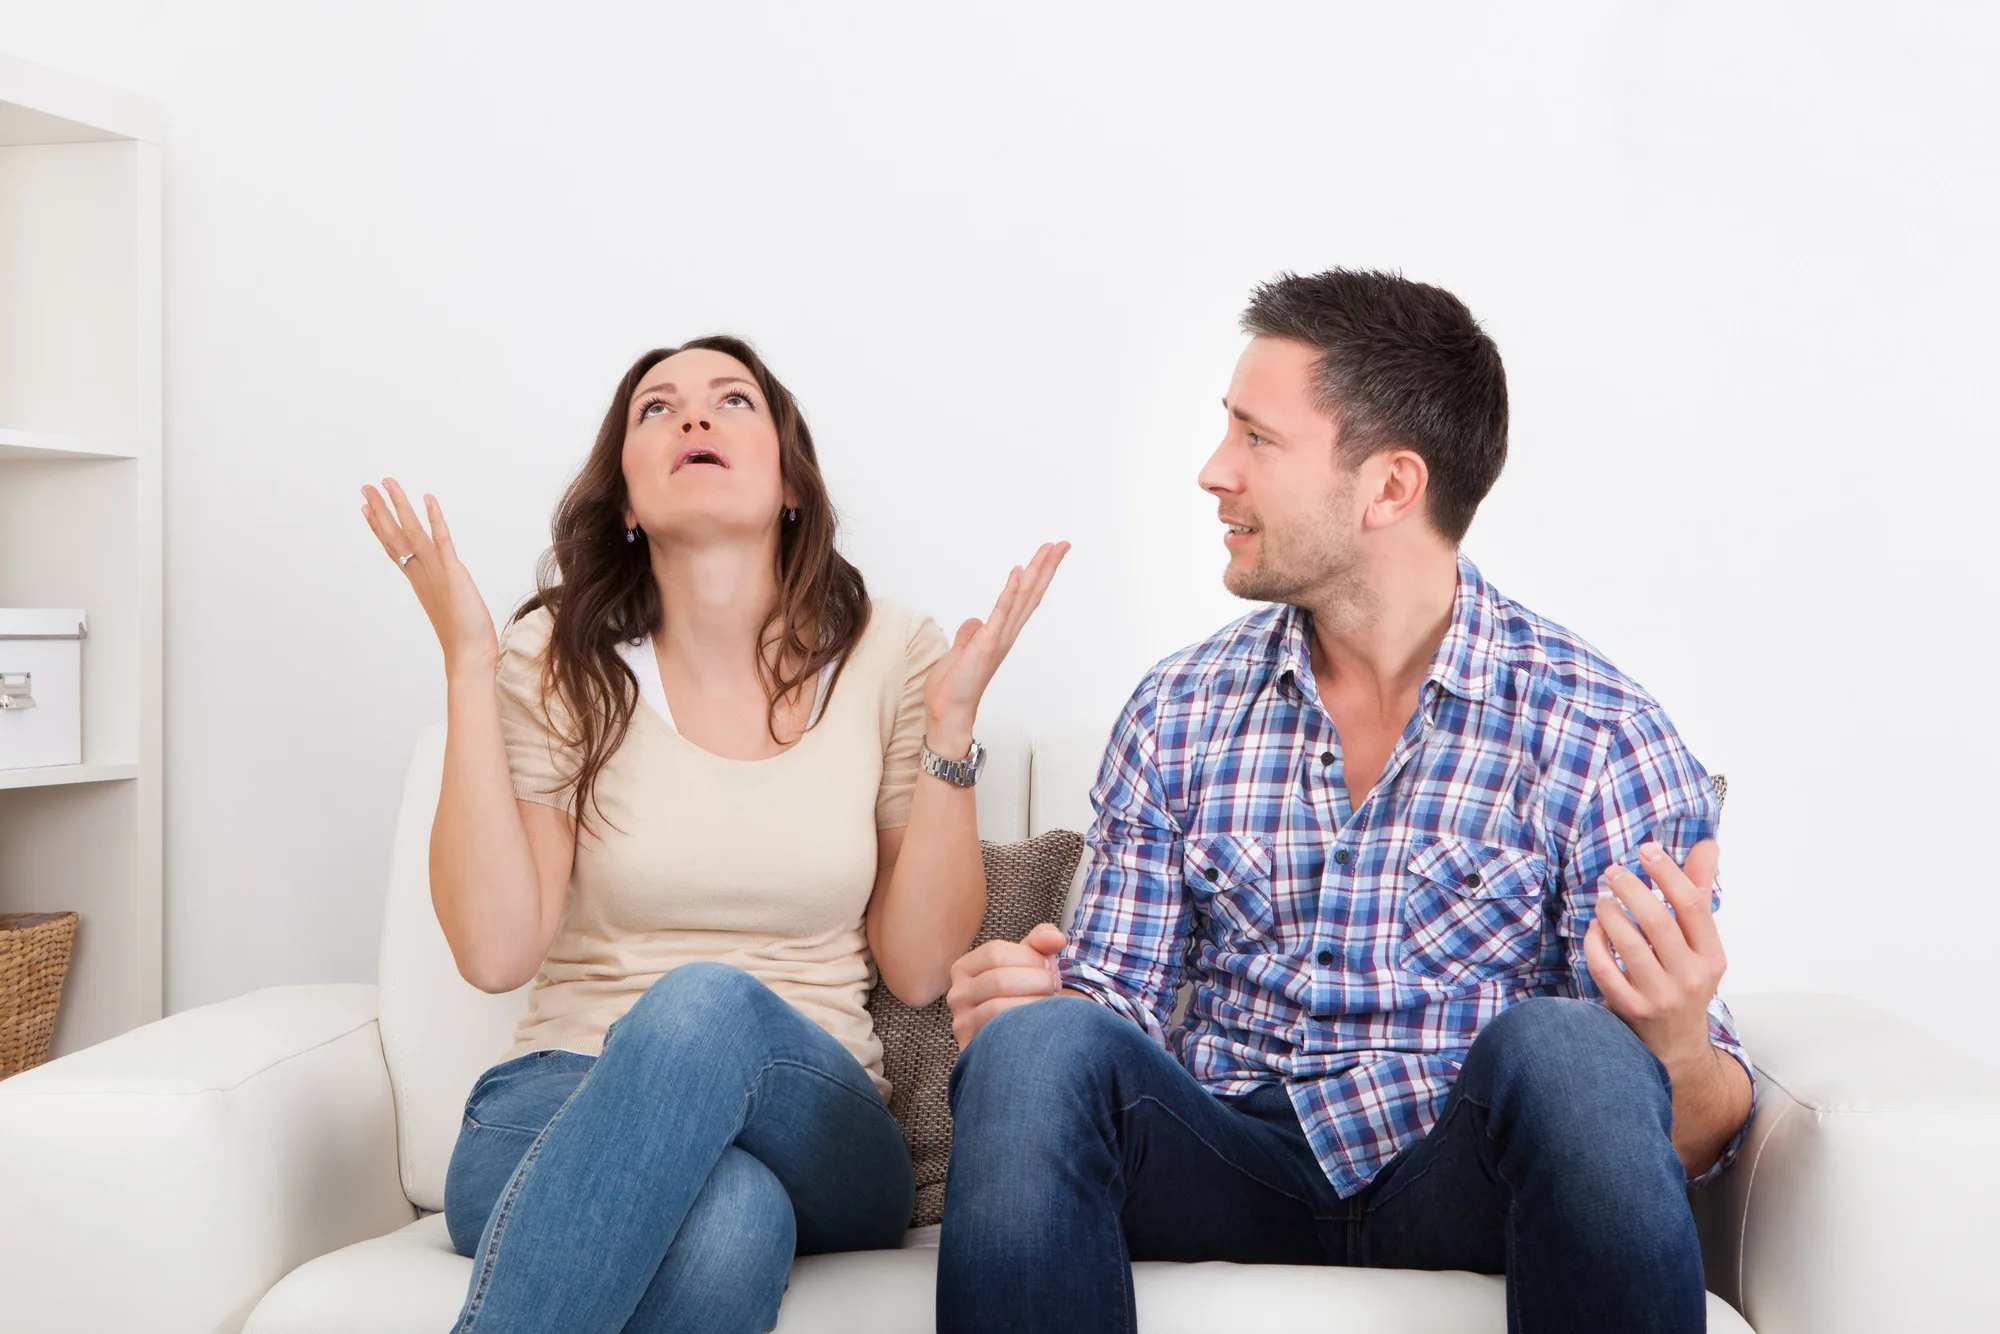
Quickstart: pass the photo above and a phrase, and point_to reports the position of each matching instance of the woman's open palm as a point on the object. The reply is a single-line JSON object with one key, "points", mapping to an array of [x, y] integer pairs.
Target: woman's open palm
{"points": [[427, 558], [961, 676]]}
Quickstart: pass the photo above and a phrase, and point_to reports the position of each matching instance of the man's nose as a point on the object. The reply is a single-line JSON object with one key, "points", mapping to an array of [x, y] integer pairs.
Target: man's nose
{"points": [[1215, 476]]}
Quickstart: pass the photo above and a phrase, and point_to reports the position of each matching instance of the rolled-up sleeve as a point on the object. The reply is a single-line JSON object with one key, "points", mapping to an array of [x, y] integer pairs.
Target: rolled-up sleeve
{"points": [[1649, 789], [1127, 947]]}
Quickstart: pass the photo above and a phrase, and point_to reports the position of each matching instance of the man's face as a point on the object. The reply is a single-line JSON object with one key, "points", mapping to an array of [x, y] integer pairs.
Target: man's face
{"points": [[1281, 486]]}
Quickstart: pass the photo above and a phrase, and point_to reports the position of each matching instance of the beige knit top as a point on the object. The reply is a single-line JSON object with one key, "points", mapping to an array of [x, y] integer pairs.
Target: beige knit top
{"points": [[763, 864]]}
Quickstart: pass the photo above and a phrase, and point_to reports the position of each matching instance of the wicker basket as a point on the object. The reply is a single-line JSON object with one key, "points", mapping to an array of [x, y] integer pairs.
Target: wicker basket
{"points": [[34, 955]]}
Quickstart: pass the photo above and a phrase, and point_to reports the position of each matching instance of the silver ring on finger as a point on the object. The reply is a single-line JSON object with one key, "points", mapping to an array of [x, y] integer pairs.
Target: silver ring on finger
{"points": [[401, 561]]}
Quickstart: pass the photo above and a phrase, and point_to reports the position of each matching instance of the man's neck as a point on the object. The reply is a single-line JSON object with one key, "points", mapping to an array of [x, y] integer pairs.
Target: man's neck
{"points": [[1372, 646]]}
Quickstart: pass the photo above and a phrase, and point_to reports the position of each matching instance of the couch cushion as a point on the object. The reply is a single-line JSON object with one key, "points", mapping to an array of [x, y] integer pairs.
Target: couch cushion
{"points": [[1025, 884], [412, 1282]]}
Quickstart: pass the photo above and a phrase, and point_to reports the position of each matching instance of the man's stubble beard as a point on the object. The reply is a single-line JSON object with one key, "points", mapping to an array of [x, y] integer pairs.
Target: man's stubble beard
{"points": [[1315, 563]]}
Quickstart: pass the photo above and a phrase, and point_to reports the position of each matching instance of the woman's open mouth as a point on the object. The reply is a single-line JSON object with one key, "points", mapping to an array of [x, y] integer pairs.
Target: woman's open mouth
{"points": [[700, 454]]}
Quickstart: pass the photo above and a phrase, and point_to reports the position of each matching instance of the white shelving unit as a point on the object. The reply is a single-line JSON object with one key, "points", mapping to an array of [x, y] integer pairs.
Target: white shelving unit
{"points": [[80, 444]]}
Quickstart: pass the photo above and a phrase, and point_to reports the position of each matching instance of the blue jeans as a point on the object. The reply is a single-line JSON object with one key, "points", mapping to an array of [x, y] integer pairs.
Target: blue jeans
{"points": [[666, 1185], [1080, 1145]]}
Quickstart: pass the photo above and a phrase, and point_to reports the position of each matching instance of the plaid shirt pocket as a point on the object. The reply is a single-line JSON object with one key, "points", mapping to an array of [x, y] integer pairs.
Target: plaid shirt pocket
{"points": [[1229, 876], [1473, 910]]}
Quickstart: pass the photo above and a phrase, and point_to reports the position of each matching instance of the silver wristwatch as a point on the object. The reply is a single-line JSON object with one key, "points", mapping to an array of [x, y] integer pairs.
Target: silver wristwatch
{"points": [[959, 773]]}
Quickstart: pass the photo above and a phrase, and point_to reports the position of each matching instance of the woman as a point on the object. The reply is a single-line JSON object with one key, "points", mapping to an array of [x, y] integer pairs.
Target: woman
{"points": [[697, 788]]}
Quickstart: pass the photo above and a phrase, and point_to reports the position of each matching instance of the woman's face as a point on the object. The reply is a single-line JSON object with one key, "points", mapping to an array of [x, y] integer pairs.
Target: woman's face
{"points": [[701, 452]]}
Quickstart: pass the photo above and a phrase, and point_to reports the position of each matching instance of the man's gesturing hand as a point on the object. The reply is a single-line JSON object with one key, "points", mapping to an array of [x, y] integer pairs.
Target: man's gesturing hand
{"points": [[1673, 960], [1000, 975]]}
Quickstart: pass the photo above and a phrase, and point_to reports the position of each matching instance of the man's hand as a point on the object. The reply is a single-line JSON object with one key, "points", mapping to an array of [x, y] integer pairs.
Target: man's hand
{"points": [[1673, 964], [1000, 975], [1673, 960]]}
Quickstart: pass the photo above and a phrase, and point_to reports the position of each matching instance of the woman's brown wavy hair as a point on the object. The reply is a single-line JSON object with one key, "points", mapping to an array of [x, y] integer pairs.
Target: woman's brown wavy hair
{"points": [[600, 588]]}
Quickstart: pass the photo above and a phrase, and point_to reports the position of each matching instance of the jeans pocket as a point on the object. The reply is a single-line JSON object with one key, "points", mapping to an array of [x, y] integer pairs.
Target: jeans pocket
{"points": [[524, 1093], [1473, 911]]}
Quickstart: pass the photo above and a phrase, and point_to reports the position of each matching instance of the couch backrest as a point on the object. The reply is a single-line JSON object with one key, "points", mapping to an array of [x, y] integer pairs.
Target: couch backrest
{"points": [[439, 1033]]}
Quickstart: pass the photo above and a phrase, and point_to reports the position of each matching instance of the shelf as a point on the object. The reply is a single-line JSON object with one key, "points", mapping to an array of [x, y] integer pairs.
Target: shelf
{"points": [[58, 775], [81, 444], [25, 445], [40, 106]]}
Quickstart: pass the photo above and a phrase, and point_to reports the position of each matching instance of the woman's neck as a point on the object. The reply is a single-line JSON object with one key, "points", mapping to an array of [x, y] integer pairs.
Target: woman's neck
{"points": [[716, 601]]}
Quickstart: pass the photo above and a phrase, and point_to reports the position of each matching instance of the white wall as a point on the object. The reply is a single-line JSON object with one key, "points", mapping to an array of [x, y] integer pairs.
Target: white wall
{"points": [[1739, 259]]}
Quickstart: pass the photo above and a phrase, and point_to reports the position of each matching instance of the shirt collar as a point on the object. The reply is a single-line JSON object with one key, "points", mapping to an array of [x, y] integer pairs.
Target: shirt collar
{"points": [[1465, 661], [1467, 657]]}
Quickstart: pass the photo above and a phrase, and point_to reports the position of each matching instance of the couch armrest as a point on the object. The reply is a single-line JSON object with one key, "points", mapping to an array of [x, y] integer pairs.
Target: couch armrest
{"points": [[1862, 1199], [164, 1180]]}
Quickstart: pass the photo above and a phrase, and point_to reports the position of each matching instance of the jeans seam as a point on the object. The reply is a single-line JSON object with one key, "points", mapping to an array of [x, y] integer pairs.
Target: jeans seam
{"points": [[1513, 1221], [1234, 1166], [1404, 1181], [871, 1097], [477, 1300], [478, 1124]]}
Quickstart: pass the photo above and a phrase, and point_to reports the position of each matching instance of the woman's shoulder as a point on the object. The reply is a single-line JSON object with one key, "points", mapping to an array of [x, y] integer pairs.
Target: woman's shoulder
{"points": [[528, 633], [897, 635], [523, 643]]}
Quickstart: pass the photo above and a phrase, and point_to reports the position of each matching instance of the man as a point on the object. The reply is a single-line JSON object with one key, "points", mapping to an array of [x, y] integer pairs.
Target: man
{"points": [[1397, 831]]}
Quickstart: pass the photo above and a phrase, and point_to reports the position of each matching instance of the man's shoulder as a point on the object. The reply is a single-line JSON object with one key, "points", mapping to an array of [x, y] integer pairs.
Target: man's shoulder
{"points": [[1246, 641], [1565, 665]]}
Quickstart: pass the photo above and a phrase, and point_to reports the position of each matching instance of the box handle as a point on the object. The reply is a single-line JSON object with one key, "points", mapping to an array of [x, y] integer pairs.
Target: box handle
{"points": [[17, 690]]}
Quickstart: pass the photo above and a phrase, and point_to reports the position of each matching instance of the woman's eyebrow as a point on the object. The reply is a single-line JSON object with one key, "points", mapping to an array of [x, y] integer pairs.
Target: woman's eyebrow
{"points": [[667, 386]]}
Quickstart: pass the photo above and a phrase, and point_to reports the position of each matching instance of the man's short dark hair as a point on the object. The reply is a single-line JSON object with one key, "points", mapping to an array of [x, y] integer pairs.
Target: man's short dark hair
{"points": [[1402, 365]]}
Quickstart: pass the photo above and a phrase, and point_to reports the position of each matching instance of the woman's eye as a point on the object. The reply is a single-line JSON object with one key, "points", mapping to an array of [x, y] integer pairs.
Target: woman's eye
{"points": [[647, 410], [743, 399]]}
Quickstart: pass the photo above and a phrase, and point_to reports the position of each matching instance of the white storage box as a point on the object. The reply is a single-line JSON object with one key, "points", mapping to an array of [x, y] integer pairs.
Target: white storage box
{"points": [[41, 688]]}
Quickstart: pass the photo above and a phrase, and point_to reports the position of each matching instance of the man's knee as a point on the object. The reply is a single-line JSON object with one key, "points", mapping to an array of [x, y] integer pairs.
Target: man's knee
{"points": [[1552, 1043], [1576, 1088], [1039, 1059]]}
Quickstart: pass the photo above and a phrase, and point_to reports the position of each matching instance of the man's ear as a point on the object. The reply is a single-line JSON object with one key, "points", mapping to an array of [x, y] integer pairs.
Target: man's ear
{"points": [[1396, 481]]}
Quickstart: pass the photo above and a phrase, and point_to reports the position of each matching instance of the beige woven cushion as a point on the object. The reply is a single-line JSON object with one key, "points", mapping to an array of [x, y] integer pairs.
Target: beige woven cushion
{"points": [[1025, 884]]}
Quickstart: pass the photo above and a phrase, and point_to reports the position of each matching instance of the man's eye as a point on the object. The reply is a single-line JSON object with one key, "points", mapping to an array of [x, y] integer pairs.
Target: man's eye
{"points": [[1256, 439]]}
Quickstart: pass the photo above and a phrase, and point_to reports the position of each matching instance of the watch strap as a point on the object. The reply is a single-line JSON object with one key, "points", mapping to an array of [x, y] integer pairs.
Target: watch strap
{"points": [[959, 773]]}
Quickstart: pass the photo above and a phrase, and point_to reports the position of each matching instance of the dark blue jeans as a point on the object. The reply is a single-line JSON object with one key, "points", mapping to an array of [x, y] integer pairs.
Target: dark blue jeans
{"points": [[665, 1185], [1080, 1145]]}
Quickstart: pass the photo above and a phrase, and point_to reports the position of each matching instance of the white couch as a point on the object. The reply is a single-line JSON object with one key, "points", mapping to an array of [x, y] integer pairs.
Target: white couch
{"points": [[270, 1164]]}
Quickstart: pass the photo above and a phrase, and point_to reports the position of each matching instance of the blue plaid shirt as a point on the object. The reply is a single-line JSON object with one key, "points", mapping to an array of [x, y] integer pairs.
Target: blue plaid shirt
{"points": [[1353, 955]]}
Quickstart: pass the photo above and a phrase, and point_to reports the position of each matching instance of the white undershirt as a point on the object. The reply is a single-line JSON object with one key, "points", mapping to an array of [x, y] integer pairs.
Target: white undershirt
{"points": [[645, 665]]}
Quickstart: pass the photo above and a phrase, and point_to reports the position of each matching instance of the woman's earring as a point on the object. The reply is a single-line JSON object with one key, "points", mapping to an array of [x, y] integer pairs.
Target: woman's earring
{"points": [[631, 535], [792, 514]]}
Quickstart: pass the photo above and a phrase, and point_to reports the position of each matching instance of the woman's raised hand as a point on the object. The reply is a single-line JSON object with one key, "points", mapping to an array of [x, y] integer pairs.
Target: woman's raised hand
{"points": [[444, 587], [951, 695]]}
